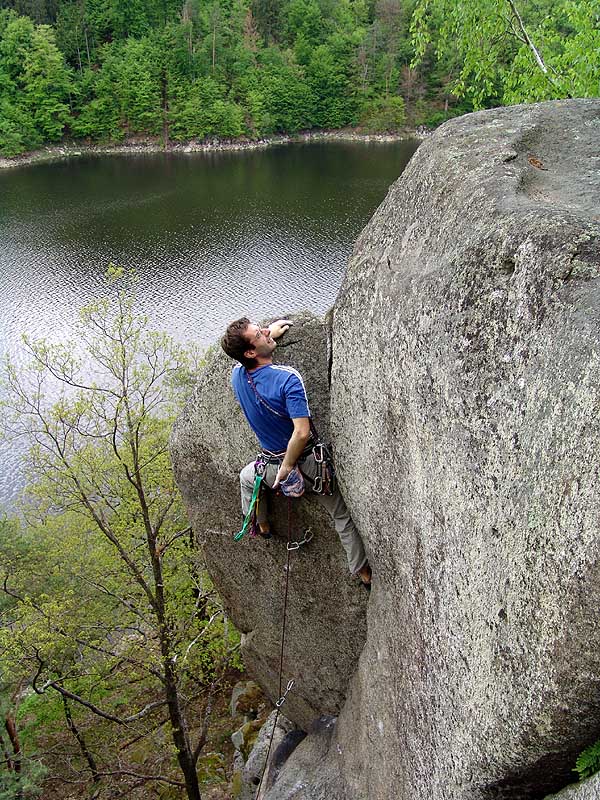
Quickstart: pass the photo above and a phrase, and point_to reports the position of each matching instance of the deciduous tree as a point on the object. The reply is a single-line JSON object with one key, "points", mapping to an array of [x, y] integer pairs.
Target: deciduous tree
{"points": [[514, 50], [109, 608]]}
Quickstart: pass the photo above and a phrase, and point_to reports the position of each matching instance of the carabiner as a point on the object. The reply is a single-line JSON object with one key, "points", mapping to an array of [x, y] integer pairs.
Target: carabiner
{"points": [[318, 453], [308, 535]]}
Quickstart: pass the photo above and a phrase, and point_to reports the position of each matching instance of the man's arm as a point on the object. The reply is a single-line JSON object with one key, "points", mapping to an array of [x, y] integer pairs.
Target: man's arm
{"points": [[296, 445], [278, 328]]}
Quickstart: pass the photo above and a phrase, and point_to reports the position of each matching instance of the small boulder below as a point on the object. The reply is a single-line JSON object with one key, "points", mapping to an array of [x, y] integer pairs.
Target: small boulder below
{"points": [[247, 698], [586, 790]]}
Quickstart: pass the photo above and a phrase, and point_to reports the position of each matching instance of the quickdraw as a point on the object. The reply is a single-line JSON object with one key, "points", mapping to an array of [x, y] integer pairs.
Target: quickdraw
{"points": [[324, 481], [308, 536], [288, 689]]}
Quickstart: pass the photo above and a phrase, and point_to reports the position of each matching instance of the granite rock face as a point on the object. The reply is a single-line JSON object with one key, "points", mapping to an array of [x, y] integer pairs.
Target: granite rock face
{"points": [[312, 770], [465, 417], [466, 384], [326, 616]]}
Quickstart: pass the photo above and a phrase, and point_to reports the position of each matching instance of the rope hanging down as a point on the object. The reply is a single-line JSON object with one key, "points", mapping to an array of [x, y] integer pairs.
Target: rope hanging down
{"points": [[290, 685]]}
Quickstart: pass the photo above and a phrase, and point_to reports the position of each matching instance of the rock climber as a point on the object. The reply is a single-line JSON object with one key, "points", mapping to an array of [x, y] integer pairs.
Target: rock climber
{"points": [[274, 401]]}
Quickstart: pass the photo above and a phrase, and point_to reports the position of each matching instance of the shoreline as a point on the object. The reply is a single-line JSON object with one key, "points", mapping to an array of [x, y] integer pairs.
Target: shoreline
{"points": [[140, 145]]}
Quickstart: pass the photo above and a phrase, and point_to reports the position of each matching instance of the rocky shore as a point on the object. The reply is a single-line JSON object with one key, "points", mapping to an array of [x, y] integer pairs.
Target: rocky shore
{"points": [[137, 145]]}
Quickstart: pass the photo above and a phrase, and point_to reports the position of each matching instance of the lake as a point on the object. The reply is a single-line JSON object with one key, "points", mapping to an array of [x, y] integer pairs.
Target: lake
{"points": [[212, 236]]}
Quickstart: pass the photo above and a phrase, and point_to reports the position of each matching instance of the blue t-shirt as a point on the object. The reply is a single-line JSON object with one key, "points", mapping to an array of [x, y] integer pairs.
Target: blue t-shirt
{"points": [[283, 389]]}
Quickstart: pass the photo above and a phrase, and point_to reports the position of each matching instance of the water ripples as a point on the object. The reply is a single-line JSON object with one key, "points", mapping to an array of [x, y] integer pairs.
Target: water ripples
{"points": [[211, 237]]}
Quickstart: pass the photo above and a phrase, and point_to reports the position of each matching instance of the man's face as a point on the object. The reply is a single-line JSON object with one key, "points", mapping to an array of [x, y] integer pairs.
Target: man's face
{"points": [[259, 341]]}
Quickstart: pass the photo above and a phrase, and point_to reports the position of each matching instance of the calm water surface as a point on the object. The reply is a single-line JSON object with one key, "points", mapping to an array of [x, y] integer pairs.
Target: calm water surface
{"points": [[211, 236]]}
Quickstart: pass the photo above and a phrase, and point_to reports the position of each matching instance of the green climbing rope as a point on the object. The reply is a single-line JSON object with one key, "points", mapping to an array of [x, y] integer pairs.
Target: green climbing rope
{"points": [[248, 519]]}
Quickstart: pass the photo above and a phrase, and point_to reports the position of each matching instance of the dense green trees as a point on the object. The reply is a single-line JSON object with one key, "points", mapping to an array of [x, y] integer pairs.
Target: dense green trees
{"points": [[34, 85], [178, 69]]}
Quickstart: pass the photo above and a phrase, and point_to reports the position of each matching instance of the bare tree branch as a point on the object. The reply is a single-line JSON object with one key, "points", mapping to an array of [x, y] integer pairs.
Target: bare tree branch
{"points": [[95, 709], [524, 36]]}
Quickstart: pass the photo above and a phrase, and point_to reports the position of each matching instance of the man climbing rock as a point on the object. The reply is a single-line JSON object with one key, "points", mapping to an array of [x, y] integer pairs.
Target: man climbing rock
{"points": [[274, 401]]}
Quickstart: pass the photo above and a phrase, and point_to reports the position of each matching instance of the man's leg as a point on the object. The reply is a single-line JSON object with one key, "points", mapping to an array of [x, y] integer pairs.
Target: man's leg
{"points": [[247, 476], [345, 527], [346, 530]]}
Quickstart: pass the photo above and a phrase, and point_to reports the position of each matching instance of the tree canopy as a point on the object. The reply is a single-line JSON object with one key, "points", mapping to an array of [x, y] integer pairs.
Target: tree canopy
{"points": [[513, 51], [108, 69]]}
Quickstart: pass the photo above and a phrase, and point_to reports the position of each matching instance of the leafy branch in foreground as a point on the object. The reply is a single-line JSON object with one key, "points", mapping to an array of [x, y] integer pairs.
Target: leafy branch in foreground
{"points": [[105, 602], [513, 50], [588, 761]]}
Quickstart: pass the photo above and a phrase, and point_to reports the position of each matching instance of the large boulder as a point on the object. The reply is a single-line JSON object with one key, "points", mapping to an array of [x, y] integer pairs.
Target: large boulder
{"points": [[326, 610], [466, 388], [465, 397]]}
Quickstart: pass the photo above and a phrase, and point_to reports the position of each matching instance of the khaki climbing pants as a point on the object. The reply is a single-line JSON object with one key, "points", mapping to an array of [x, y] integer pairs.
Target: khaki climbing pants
{"points": [[334, 504]]}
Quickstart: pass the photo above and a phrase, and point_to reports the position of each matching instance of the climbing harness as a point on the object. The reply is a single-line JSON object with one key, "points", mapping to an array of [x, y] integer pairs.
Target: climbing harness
{"points": [[325, 481]]}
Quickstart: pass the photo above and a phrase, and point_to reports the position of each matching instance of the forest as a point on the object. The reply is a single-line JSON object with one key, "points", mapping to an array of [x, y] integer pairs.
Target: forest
{"points": [[107, 70]]}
